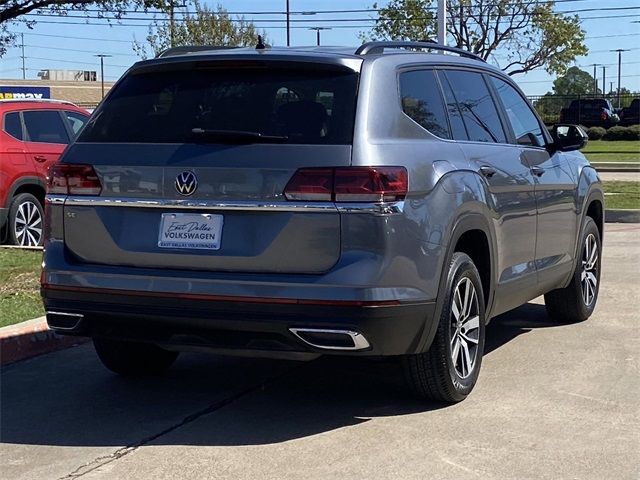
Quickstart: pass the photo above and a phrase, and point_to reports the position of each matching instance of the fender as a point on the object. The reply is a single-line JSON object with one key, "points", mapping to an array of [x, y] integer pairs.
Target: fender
{"points": [[589, 189], [37, 181], [463, 223]]}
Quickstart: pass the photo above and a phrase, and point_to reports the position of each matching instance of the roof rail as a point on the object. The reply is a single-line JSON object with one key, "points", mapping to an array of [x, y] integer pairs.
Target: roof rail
{"points": [[373, 48], [37, 100], [174, 51]]}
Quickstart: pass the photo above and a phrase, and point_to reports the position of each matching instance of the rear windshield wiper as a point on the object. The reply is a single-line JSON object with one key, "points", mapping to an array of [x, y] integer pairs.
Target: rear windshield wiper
{"points": [[236, 136]]}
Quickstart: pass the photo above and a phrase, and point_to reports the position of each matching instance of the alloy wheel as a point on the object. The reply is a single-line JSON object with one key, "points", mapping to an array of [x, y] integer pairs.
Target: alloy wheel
{"points": [[589, 274], [465, 327], [28, 225]]}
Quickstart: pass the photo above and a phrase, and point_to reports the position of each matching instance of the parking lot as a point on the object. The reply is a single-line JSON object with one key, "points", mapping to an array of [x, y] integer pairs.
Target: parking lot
{"points": [[556, 402]]}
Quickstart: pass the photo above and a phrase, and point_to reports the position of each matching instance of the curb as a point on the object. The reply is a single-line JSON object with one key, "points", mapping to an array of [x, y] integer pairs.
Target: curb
{"points": [[622, 216], [31, 338], [616, 169]]}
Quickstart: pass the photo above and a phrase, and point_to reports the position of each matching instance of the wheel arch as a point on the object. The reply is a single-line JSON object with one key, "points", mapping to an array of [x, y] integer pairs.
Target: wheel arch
{"points": [[33, 185]]}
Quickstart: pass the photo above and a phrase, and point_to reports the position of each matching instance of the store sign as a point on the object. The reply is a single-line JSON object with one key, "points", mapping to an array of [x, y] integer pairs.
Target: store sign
{"points": [[19, 93]]}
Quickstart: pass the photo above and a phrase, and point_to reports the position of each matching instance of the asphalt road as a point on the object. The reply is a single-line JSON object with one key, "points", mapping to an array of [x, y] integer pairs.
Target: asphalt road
{"points": [[552, 402]]}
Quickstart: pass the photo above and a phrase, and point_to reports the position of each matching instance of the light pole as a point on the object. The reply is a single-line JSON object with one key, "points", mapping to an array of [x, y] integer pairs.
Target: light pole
{"points": [[288, 26], [604, 82], [102, 57], [619, 50], [442, 22], [595, 80], [317, 29]]}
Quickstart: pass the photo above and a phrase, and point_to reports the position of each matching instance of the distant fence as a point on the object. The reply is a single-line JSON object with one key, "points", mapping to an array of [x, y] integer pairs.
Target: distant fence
{"points": [[549, 106]]}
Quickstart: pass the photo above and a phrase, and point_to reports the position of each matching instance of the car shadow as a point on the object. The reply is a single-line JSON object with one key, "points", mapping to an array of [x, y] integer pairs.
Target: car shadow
{"points": [[68, 399]]}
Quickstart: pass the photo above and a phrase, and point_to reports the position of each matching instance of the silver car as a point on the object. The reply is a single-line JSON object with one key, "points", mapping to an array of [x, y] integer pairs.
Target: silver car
{"points": [[387, 200]]}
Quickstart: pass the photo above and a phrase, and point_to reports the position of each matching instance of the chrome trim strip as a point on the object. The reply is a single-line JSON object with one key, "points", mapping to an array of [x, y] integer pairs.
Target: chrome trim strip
{"points": [[359, 342], [379, 209], [199, 204], [55, 199]]}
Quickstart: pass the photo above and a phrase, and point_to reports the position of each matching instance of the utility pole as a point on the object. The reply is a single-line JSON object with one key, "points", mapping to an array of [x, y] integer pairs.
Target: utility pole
{"points": [[317, 29], [24, 70], [442, 22], [604, 77], [288, 26], [595, 80], [619, 50], [102, 57], [172, 32]]}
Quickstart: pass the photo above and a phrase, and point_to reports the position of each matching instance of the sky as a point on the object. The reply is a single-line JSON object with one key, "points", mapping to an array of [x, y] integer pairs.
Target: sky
{"points": [[70, 43]]}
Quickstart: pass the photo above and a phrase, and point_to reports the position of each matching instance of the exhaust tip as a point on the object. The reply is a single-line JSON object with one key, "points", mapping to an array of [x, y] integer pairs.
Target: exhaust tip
{"points": [[64, 320], [331, 339]]}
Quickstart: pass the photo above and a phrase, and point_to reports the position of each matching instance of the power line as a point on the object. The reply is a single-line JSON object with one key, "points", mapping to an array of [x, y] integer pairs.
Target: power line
{"points": [[119, 24], [81, 51], [72, 62]]}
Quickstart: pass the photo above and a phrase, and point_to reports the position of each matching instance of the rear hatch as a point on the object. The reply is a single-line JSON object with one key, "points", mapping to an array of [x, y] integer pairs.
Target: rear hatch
{"points": [[193, 158]]}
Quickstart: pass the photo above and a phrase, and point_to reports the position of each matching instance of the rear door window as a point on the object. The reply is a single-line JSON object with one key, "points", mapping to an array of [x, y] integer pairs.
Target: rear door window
{"points": [[297, 105], [526, 127], [45, 126], [12, 125], [422, 101], [476, 105]]}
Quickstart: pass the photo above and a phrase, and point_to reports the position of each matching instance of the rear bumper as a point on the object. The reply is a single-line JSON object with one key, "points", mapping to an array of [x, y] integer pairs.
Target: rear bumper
{"points": [[224, 325]]}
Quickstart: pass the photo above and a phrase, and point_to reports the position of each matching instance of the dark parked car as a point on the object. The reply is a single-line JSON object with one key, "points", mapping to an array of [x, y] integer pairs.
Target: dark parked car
{"points": [[631, 115], [295, 202], [590, 112]]}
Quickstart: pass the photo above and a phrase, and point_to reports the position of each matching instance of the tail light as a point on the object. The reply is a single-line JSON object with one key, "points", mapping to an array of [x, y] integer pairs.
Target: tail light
{"points": [[348, 184], [603, 116], [69, 179]]}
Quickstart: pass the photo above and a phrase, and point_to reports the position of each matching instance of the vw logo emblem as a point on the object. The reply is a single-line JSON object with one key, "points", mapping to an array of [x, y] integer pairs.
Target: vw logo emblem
{"points": [[186, 183]]}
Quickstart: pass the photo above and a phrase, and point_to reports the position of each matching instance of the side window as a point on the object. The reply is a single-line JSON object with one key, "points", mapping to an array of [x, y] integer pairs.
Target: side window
{"points": [[76, 121], [523, 121], [12, 125], [476, 105], [422, 101], [455, 117], [45, 126]]}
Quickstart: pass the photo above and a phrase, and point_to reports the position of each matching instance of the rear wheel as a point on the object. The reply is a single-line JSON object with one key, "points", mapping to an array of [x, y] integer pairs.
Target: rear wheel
{"points": [[576, 302], [26, 218], [133, 358], [448, 371]]}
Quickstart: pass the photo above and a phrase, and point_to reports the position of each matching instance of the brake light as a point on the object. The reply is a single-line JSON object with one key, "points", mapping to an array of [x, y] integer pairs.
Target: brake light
{"points": [[348, 184], [68, 179], [603, 116]]}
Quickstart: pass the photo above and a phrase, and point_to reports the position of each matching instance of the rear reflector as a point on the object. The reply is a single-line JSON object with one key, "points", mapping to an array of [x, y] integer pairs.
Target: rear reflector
{"points": [[348, 184], [73, 180]]}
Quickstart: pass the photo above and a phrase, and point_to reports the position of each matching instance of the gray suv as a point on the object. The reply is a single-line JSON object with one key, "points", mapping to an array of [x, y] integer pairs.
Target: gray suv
{"points": [[387, 200]]}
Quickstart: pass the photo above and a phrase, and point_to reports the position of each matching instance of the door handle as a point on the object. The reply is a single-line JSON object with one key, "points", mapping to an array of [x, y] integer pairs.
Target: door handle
{"points": [[40, 158], [537, 171], [487, 171]]}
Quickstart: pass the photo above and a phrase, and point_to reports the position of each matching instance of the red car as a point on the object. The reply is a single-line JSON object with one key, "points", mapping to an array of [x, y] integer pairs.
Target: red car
{"points": [[33, 135]]}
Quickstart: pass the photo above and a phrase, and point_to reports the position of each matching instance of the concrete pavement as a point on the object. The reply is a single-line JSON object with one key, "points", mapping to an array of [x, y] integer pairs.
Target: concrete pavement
{"points": [[552, 402]]}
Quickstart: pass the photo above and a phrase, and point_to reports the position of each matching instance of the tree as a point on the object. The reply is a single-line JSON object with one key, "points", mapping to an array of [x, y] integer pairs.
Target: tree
{"points": [[13, 12], [572, 84], [204, 27], [523, 34]]}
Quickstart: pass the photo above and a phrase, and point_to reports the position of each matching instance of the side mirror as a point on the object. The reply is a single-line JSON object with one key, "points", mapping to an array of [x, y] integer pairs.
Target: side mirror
{"points": [[568, 137]]}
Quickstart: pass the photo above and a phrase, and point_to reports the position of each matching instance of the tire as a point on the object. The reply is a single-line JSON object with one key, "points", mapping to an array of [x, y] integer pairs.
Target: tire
{"points": [[576, 302], [434, 374], [133, 358], [26, 221]]}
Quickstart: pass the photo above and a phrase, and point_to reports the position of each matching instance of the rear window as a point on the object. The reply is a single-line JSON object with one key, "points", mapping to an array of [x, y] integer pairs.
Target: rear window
{"points": [[305, 106], [45, 126], [12, 125]]}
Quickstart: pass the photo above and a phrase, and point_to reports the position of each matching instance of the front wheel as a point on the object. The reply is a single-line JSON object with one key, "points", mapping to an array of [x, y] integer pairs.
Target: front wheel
{"points": [[576, 302], [448, 371]]}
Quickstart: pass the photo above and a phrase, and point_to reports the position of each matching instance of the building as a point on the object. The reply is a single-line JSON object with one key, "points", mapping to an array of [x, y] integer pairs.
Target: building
{"points": [[83, 93]]}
